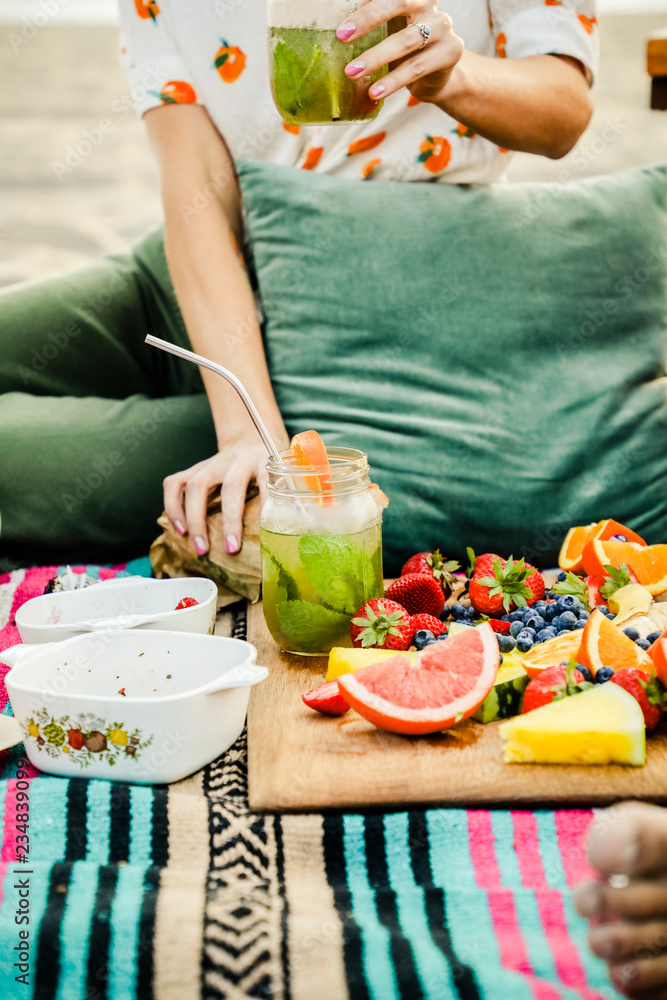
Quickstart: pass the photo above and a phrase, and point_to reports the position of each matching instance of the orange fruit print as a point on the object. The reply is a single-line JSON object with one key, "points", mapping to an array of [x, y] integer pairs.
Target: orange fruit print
{"points": [[501, 45], [588, 23], [435, 153], [366, 144], [413, 101], [369, 167], [312, 158], [146, 10], [177, 92], [292, 129], [229, 61], [464, 132]]}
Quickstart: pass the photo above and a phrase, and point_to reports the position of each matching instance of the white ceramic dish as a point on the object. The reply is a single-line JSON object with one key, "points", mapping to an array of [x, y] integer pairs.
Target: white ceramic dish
{"points": [[132, 603], [183, 702]]}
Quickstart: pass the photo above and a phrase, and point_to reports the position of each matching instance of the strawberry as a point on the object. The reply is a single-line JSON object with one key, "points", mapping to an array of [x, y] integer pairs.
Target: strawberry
{"points": [[418, 593], [326, 699], [478, 564], [434, 625], [383, 624], [185, 602], [553, 684], [500, 628], [648, 690], [433, 564], [507, 586]]}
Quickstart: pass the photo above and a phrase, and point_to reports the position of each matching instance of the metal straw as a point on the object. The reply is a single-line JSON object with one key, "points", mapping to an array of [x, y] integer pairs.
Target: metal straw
{"points": [[197, 359]]}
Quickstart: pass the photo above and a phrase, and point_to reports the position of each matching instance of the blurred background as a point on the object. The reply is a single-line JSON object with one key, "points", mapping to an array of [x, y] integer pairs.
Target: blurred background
{"points": [[60, 77]]}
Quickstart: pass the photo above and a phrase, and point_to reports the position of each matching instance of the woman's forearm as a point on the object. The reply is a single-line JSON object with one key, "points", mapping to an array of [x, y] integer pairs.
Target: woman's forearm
{"points": [[539, 104]]}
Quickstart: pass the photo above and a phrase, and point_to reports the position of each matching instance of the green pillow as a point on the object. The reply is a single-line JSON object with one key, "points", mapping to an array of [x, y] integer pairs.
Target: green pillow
{"points": [[498, 352]]}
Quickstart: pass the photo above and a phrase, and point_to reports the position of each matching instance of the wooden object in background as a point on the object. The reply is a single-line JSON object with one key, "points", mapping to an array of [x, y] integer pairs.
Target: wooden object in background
{"points": [[656, 59]]}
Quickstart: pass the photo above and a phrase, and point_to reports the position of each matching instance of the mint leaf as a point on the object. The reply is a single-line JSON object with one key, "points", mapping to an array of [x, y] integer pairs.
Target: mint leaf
{"points": [[289, 79], [574, 585], [310, 626], [336, 569], [287, 585]]}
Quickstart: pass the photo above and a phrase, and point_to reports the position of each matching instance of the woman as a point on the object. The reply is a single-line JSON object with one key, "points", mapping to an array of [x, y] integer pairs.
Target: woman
{"points": [[497, 76]]}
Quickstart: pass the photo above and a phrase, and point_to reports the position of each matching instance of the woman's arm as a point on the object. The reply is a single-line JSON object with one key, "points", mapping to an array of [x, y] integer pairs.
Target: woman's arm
{"points": [[202, 219], [539, 104]]}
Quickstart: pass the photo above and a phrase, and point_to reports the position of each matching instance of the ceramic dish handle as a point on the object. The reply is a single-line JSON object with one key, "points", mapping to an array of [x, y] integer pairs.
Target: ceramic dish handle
{"points": [[245, 675], [14, 655]]}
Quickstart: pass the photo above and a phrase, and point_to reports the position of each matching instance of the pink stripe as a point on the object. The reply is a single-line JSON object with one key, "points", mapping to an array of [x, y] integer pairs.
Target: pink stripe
{"points": [[549, 903], [572, 829], [513, 954], [33, 584]]}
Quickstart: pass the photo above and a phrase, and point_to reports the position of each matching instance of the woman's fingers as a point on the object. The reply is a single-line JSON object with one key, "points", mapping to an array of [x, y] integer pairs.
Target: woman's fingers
{"points": [[618, 942], [196, 500], [377, 12], [173, 487], [635, 901], [629, 839], [394, 47], [233, 495]]}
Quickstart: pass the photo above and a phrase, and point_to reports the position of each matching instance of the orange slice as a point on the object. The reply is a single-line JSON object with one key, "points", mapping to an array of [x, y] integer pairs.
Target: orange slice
{"points": [[658, 653], [551, 653], [570, 557], [604, 644], [448, 683], [309, 451], [647, 562]]}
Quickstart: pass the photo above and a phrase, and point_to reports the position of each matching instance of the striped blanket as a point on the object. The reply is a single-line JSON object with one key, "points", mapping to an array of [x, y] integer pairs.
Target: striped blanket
{"points": [[180, 892]]}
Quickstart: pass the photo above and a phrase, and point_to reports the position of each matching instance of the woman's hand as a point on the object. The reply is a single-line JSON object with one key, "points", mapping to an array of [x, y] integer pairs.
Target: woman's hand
{"points": [[424, 64], [186, 493]]}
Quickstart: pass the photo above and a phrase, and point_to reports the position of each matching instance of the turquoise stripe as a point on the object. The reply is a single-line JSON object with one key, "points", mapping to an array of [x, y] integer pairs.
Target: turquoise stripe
{"points": [[98, 821], [75, 929], [48, 818], [595, 968], [378, 967], [124, 943], [432, 966], [138, 567], [39, 884], [528, 914], [468, 915], [141, 824]]}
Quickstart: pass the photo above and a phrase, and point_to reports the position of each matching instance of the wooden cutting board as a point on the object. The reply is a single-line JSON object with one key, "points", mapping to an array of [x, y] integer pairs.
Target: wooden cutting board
{"points": [[299, 760]]}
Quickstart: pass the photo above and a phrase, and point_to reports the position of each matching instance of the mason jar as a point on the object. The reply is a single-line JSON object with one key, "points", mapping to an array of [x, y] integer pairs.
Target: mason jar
{"points": [[307, 63], [321, 543]]}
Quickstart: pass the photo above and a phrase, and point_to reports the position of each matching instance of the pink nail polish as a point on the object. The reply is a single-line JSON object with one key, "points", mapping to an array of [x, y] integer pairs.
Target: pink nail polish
{"points": [[201, 548], [353, 69], [377, 90], [232, 544], [346, 31], [179, 527]]}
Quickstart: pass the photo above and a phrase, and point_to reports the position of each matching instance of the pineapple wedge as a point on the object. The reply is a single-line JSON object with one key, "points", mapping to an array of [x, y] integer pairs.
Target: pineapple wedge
{"points": [[630, 601], [345, 661], [602, 725]]}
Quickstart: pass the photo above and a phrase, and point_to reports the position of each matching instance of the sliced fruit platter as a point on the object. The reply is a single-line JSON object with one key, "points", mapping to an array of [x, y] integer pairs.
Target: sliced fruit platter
{"points": [[573, 673]]}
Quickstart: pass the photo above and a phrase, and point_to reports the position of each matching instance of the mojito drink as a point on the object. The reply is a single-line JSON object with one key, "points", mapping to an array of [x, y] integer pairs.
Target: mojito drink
{"points": [[313, 583], [308, 79]]}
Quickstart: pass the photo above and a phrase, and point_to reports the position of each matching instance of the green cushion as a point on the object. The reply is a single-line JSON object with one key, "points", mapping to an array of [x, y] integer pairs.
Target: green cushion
{"points": [[498, 352]]}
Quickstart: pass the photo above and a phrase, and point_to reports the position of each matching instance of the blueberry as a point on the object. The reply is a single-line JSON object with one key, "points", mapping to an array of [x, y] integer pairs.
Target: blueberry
{"points": [[584, 616], [506, 643], [516, 616], [643, 644], [610, 614], [515, 628], [458, 611], [631, 633], [551, 611], [578, 625], [524, 643], [446, 611], [567, 602], [652, 637], [540, 607], [618, 538], [561, 577], [506, 618], [439, 638], [472, 613], [604, 674], [587, 675], [527, 630], [534, 621], [429, 642], [421, 637], [545, 634]]}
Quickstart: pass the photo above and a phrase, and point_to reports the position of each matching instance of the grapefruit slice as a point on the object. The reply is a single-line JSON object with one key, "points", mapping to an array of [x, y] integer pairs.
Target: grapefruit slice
{"points": [[449, 682], [572, 549], [552, 653], [309, 451], [648, 563], [604, 644]]}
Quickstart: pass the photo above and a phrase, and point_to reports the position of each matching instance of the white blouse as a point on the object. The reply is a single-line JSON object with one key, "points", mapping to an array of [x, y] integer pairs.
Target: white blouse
{"points": [[215, 53]]}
